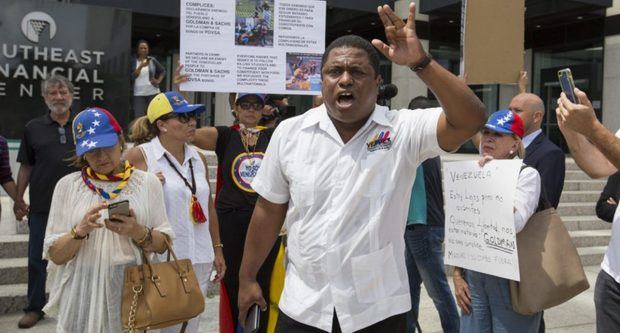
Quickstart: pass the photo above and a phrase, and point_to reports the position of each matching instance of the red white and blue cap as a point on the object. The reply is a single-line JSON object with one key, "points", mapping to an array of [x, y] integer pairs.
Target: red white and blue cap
{"points": [[95, 128], [505, 122]]}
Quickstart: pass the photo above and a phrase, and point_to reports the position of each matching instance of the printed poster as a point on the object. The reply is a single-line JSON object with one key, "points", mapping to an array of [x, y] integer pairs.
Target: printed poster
{"points": [[262, 46]]}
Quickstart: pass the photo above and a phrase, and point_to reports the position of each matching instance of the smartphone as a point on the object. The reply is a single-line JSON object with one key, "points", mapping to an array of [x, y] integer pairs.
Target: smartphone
{"points": [[252, 321], [118, 208], [568, 86]]}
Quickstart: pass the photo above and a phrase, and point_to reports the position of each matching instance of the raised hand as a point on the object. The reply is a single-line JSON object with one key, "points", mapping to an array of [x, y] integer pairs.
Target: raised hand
{"points": [[404, 47]]}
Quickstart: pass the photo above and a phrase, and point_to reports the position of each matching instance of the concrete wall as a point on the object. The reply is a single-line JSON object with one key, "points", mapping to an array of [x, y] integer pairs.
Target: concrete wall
{"points": [[611, 76]]}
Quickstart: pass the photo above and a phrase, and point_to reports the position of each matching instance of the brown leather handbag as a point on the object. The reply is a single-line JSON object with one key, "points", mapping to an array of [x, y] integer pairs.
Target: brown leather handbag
{"points": [[157, 295], [549, 265]]}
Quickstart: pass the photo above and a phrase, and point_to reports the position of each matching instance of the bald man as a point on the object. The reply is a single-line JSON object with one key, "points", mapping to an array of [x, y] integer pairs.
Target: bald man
{"points": [[540, 153]]}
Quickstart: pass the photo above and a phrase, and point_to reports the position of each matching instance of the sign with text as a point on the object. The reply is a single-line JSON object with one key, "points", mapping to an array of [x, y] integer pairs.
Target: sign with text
{"points": [[262, 46], [87, 44], [479, 204]]}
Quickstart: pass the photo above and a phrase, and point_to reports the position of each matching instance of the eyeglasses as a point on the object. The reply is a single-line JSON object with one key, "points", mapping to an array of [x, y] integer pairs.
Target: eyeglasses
{"points": [[247, 105], [63, 135], [183, 118]]}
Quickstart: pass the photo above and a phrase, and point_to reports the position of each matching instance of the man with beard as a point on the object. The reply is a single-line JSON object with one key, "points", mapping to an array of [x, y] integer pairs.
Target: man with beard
{"points": [[340, 176], [43, 153]]}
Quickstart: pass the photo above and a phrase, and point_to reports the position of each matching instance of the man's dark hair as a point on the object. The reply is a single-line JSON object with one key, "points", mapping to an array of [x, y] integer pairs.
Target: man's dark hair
{"points": [[422, 102], [356, 42]]}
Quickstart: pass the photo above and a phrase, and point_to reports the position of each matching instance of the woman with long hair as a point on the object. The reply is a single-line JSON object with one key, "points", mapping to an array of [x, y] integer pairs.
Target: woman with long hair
{"points": [[485, 299], [163, 136], [88, 252], [146, 75]]}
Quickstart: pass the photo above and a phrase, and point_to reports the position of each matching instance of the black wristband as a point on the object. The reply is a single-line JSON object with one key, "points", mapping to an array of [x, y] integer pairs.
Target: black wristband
{"points": [[422, 64]]}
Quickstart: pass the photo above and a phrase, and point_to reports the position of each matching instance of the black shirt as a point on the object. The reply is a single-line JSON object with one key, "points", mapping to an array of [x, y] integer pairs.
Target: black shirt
{"points": [[434, 192], [41, 148], [237, 167]]}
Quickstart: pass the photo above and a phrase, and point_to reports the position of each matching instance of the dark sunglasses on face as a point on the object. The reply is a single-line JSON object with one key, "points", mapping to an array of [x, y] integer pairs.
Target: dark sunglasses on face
{"points": [[63, 135], [256, 106], [183, 118]]}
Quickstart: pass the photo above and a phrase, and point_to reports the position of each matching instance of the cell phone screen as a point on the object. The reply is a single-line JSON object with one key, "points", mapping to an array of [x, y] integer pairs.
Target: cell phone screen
{"points": [[119, 208], [252, 322], [566, 82]]}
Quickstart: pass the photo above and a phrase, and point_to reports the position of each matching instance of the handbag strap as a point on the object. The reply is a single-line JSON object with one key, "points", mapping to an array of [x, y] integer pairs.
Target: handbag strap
{"points": [[175, 263], [543, 202]]}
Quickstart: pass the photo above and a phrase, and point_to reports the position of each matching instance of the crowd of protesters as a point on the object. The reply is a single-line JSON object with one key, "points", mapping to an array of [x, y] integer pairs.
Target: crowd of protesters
{"points": [[330, 221]]}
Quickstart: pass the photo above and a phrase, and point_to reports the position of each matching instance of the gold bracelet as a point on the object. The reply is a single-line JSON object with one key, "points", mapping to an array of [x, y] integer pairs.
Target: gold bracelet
{"points": [[218, 245], [144, 238], [75, 235]]}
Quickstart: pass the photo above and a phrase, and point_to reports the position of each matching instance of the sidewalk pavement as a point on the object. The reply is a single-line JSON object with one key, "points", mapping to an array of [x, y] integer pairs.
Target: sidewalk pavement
{"points": [[574, 316]]}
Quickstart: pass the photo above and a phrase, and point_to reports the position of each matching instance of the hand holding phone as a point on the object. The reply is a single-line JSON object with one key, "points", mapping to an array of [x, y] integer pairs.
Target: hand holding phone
{"points": [[252, 322], [118, 208], [568, 85]]}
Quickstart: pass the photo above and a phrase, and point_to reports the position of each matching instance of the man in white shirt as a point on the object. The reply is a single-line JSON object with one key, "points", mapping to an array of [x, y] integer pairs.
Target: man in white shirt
{"points": [[341, 176], [597, 152]]}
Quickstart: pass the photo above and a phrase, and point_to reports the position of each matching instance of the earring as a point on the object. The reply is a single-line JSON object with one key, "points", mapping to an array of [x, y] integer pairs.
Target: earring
{"points": [[164, 130], [511, 152]]}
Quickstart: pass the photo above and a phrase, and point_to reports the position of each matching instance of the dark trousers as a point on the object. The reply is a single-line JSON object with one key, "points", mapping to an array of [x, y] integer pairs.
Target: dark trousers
{"points": [[607, 304], [396, 324], [233, 229], [37, 267]]}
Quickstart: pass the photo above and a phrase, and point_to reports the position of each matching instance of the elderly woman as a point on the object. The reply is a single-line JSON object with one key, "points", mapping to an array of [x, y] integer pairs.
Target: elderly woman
{"points": [[163, 136], [485, 299], [88, 252]]}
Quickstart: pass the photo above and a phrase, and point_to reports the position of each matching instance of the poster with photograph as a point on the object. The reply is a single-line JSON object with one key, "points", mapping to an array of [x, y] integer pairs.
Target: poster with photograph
{"points": [[262, 46]]}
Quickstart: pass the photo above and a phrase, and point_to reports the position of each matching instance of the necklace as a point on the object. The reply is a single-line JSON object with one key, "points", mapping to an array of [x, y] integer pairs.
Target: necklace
{"points": [[249, 137], [195, 209], [123, 177]]}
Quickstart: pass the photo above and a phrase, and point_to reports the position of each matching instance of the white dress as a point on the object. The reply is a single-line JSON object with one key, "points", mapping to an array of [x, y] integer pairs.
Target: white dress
{"points": [[85, 293]]}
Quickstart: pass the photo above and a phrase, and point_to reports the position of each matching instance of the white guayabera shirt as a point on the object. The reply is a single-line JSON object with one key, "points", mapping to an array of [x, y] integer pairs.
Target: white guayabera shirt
{"points": [[347, 210], [85, 293]]}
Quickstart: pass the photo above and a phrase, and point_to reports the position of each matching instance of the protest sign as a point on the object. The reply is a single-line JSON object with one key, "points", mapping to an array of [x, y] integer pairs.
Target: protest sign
{"points": [[492, 40], [262, 46], [479, 203]]}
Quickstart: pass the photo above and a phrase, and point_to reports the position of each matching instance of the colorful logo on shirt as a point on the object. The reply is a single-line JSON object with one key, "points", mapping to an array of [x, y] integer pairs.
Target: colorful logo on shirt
{"points": [[244, 169], [379, 141]]}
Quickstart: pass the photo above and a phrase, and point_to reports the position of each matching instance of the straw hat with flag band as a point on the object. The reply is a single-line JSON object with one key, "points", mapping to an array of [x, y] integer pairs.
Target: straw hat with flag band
{"points": [[170, 102]]}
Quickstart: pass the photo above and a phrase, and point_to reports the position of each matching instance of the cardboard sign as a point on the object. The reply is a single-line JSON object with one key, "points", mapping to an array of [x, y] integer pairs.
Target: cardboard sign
{"points": [[479, 226], [259, 46], [492, 40]]}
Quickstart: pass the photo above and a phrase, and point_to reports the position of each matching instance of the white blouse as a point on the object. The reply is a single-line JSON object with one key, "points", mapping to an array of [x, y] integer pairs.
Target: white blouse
{"points": [[85, 293], [193, 241]]}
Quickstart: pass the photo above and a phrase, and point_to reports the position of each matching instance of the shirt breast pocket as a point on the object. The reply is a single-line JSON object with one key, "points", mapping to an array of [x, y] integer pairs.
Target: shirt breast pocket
{"points": [[377, 168], [375, 275]]}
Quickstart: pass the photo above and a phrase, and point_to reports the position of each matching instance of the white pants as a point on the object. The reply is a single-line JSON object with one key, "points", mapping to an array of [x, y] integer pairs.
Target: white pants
{"points": [[203, 273]]}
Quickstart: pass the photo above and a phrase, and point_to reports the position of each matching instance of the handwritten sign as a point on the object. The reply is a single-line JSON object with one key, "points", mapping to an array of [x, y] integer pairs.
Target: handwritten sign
{"points": [[480, 231]]}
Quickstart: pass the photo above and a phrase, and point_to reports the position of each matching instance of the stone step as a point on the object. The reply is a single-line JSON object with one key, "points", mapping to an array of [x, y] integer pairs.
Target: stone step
{"points": [[577, 209], [590, 238], [571, 165], [580, 196], [574, 223], [13, 246], [591, 256], [13, 270], [13, 297], [584, 185]]}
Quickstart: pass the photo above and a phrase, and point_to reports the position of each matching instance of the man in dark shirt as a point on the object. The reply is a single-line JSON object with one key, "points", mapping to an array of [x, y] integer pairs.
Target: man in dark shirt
{"points": [[424, 237], [6, 178], [43, 154]]}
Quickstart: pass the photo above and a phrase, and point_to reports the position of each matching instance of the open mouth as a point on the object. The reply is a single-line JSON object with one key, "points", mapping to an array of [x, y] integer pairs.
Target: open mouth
{"points": [[345, 99]]}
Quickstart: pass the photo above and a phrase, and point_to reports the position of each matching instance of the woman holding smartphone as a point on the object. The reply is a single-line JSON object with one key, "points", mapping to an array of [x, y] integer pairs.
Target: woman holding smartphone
{"points": [[163, 135], [88, 253]]}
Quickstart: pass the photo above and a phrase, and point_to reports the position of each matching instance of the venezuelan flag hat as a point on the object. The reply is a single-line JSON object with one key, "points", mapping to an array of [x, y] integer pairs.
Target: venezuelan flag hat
{"points": [[170, 102]]}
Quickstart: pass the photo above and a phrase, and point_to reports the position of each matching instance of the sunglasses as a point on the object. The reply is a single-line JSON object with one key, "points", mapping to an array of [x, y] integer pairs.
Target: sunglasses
{"points": [[183, 118], [63, 135], [256, 106]]}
